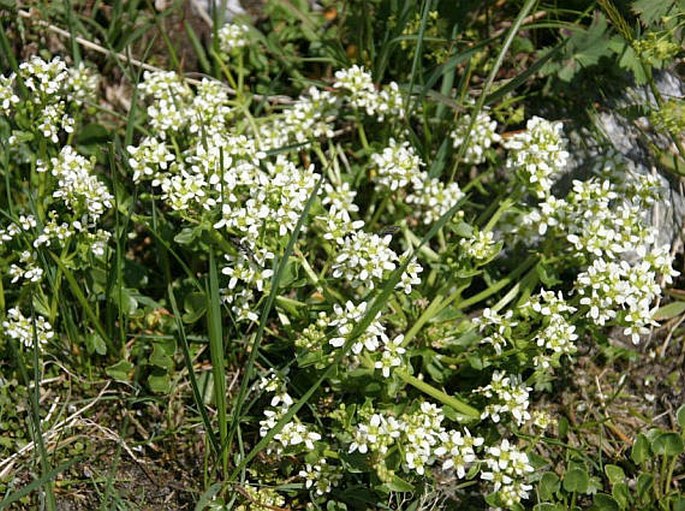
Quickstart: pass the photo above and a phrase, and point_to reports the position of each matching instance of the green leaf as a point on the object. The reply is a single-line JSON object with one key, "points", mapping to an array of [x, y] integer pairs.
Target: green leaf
{"points": [[549, 484], [668, 444], [677, 503], [398, 484], [195, 305], [644, 486], [651, 11], [120, 371], [669, 311], [680, 414], [159, 357], [95, 343], [92, 134], [604, 502], [547, 506], [621, 494], [576, 480], [188, 235], [614, 473], [639, 453], [159, 381]]}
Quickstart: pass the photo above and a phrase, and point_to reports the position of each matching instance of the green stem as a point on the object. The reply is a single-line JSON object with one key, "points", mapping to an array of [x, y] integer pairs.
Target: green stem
{"points": [[438, 394]]}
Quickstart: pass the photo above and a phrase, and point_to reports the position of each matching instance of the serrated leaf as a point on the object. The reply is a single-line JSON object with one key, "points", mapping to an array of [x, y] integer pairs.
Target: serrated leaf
{"points": [[651, 11]]}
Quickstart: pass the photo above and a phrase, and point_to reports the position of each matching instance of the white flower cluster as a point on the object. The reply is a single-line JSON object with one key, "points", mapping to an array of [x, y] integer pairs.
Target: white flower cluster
{"points": [[320, 477], [421, 438], [508, 395], [27, 269], [168, 94], [309, 118], [481, 247], [605, 224], [344, 321], [496, 327], [432, 198], [338, 223], [508, 469], [232, 36], [82, 192], [365, 259], [19, 327], [537, 154], [557, 335], [480, 138], [294, 433], [362, 94], [397, 166], [7, 96], [55, 92]]}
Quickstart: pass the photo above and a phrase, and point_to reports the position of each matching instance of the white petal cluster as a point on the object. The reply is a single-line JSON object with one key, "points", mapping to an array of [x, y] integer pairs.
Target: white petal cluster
{"points": [[480, 247], [480, 138], [432, 198], [397, 166], [7, 96], [320, 477], [362, 94], [457, 451], [365, 259], [168, 96], [537, 154], [508, 395], [508, 469], [232, 36], [496, 327], [19, 327], [420, 437], [80, 190], [345, 320], [27, 270]]}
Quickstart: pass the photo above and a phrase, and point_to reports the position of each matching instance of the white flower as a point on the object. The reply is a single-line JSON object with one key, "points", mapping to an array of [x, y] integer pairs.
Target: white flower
{"points": [[21, 328], [397, 166], [232, 36], [481, 137]]}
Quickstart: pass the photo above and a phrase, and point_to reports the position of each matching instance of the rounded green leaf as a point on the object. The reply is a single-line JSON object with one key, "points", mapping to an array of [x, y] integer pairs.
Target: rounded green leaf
{"points": [[576, 480], [681, 417], [640, 450], [614, 473], [604, 502], [668, 444], [644, 485], [549, 484]]}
